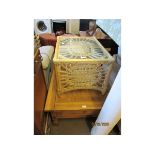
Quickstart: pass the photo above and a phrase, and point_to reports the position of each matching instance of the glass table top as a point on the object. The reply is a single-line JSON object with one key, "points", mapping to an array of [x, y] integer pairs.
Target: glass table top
{"points": [[80, 48]]}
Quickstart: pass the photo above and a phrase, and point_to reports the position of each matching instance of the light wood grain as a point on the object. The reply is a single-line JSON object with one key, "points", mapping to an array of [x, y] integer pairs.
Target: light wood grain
{"points": [[73, 100], [73, 104], [74, 113]]}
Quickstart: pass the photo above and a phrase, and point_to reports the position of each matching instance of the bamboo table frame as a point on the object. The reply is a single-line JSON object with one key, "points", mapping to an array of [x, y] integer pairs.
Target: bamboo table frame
{"points": [[81, 63]]}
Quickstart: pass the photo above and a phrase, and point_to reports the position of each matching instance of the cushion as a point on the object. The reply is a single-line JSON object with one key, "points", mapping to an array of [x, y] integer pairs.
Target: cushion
{"points": [[99, 34], [46, 53]]}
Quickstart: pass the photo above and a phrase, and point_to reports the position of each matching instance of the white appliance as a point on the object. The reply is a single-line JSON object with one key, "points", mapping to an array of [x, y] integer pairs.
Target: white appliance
{"points": [[42, 26]]}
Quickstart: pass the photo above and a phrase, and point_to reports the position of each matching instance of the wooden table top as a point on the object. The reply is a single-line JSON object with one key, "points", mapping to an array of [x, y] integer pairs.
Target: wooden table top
{"points": [[73, 100]]}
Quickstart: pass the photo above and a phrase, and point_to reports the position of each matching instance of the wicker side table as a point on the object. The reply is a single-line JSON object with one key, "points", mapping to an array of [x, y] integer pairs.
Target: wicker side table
{"points": [[81, 63]]}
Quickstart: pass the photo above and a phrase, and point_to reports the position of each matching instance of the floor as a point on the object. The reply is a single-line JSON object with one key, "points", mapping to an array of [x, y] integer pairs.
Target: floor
{"points": [[71, 127], [81, 126]]}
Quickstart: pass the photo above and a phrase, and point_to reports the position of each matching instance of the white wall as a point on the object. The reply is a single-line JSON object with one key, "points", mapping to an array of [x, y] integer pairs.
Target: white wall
{"points": [[111, 110], [112, 27]]}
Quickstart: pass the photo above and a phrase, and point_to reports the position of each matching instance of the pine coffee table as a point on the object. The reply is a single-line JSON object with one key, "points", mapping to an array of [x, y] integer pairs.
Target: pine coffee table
{"points": [[79, 82]]}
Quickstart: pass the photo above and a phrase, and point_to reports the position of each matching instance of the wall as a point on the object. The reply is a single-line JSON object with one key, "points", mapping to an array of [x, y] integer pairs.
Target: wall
{"points": [[112, 27], [111, 110]]}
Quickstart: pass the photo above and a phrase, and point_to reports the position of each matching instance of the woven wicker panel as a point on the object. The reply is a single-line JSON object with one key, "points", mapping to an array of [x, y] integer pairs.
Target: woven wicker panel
{"points": [[81, 63]]}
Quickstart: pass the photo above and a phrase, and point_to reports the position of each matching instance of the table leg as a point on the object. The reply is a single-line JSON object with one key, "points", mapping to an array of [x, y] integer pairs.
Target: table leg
{"points": [[54, 119]]}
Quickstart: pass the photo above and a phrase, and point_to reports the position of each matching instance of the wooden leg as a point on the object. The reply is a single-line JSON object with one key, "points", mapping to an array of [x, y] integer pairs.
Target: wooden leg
{"points": [[54, 119], [104, 91]]}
